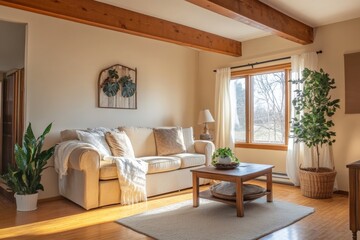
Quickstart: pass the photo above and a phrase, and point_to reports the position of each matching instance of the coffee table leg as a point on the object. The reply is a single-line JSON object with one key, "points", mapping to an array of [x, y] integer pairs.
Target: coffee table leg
{"points": [[195, 190], [269, 197], [239, 198]]}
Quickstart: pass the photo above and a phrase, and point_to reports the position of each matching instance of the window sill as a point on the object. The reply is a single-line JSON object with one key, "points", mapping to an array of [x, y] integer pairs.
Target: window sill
{"points": [[281, 147]]}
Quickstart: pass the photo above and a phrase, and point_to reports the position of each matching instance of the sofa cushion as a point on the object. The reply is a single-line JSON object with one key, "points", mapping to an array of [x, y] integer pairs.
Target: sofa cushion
{"points": [[68, 134], [190, 159], [97, 140], [169, 141], [157, 164], [142, 139], [189, 139], [119, 144]]}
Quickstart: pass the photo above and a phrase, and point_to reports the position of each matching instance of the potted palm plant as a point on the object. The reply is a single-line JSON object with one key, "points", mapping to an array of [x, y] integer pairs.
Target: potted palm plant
{"points": [[311, 125], [24, 179]]}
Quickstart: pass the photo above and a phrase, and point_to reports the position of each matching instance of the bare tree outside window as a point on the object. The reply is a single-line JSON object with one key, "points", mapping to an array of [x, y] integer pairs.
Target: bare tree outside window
{"points": [[268, 108]]}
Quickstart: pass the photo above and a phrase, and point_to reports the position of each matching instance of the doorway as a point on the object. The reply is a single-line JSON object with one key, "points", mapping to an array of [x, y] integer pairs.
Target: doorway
{"points": [[12, 115], [12, 89]]}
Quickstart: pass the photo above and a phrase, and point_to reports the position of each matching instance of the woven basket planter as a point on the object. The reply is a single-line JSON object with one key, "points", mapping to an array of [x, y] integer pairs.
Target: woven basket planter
{"points": [[317, 184]]}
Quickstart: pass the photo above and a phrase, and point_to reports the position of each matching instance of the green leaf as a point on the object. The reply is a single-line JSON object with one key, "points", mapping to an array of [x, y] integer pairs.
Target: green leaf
{"points": [[110, 88], [20, 157], [128, 86], [128, 89], [113, 74], [47, 130]]}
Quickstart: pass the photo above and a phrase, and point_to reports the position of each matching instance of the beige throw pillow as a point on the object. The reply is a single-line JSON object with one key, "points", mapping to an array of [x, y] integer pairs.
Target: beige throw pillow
{"points": [[142, 140], [69, 134], [120, 144], [169, 141]]}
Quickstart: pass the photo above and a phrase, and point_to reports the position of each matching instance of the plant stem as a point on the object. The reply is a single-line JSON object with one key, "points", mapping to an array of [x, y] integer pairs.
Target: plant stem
{"points": [[318, 158]]}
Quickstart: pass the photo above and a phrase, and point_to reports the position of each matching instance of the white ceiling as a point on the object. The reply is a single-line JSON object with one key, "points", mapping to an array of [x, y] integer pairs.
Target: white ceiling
{"points": [[318, 12], [312, 12]]}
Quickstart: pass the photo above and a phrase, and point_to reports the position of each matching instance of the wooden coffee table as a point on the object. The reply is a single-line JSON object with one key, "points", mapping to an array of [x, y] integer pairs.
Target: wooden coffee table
{"points": [[239, 175]]}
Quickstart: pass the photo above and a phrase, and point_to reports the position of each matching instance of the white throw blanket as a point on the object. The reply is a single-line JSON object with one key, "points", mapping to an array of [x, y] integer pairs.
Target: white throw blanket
{"points": [[62, 154], [132, 179], [131, 172]]}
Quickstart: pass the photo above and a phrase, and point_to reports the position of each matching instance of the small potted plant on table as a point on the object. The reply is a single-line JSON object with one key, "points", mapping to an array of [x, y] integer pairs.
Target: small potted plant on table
{"points": [[24, 179], [224, 158]]}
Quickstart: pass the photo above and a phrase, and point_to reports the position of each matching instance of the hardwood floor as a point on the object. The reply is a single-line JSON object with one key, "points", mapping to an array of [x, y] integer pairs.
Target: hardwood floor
{"points": [[62, 219]]}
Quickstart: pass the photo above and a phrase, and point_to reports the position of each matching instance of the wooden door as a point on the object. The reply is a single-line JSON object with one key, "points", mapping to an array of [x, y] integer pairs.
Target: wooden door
{"points": [[13, 116]]}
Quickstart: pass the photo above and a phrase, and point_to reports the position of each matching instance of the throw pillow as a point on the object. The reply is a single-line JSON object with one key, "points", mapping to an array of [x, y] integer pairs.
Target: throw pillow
{"points": [[120, 144], [97, 140], [189, 139], [142, 140], [68, 134], [99, 130], [169, 141]]}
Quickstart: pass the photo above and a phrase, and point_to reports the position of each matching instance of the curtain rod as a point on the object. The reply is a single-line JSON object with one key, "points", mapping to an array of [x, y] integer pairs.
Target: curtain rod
{"points": [[267, 61]]}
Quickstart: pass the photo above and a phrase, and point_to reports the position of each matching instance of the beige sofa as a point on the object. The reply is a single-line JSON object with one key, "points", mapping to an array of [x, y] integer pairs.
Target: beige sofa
{"points": [[92, 182]]}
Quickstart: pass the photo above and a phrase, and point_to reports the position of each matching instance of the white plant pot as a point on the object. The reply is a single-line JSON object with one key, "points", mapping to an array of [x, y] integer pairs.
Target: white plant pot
{"points": [[226, 160], [26, 202]]}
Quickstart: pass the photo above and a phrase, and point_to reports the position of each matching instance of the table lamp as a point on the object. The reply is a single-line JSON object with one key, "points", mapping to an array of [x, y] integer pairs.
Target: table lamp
{"points": [[205, 118]]}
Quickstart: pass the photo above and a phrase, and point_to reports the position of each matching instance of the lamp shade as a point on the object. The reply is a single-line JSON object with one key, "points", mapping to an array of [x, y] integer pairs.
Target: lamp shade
{"points": [[205, 117]]}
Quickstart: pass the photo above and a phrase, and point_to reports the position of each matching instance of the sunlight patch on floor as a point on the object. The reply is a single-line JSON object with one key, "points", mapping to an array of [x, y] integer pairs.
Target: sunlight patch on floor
{"points": [[88, 218]]}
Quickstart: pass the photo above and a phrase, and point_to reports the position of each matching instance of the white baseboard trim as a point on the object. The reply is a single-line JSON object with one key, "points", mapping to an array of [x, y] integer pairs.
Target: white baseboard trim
{"points": [[278, 178]]}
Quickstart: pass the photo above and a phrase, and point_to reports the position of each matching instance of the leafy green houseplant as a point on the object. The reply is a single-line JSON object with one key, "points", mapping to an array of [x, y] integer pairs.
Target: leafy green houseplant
{"points": [[31, 160], [312, 122], [224, 156]]}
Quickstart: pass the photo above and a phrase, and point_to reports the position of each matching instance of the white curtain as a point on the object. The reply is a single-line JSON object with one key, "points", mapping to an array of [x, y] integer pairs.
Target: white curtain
{"points": [[299, 153], [223, 113]]}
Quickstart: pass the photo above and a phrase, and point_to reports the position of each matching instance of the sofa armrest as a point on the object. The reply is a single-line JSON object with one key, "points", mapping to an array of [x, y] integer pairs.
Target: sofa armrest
{"points": [[205, 147], [81, 183], [84, 159]]}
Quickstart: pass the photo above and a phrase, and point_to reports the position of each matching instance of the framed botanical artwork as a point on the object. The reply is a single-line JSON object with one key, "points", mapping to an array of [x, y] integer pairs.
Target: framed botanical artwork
{"points": [[118, 87]]}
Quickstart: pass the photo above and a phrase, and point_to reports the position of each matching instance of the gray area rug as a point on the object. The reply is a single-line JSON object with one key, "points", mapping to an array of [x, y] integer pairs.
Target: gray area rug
{"points": [[214, 220]]}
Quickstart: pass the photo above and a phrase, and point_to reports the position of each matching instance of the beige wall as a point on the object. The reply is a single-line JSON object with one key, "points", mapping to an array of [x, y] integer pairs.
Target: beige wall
{"points": [[63, 60], [334, 40]]}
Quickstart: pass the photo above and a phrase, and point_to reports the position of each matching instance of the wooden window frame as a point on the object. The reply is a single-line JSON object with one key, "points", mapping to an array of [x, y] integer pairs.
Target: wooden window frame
{"points": [[248, 99]]}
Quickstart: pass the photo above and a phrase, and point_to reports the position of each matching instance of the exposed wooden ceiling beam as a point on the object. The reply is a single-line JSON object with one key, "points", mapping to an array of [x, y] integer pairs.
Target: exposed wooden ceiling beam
{"points": [[262, 16], [122, 20]]}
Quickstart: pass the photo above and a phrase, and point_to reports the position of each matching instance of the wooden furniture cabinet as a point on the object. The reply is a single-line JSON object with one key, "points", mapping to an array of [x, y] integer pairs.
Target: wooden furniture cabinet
{"points": [[354, 197]]}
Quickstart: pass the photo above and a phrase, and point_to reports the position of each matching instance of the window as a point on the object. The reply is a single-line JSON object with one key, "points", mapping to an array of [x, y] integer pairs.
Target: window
{"points": [[261, 105]]}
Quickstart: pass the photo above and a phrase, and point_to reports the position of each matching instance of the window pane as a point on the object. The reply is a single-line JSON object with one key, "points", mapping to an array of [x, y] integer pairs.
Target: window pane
{"points": [[268, 92], [237, 87]]}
